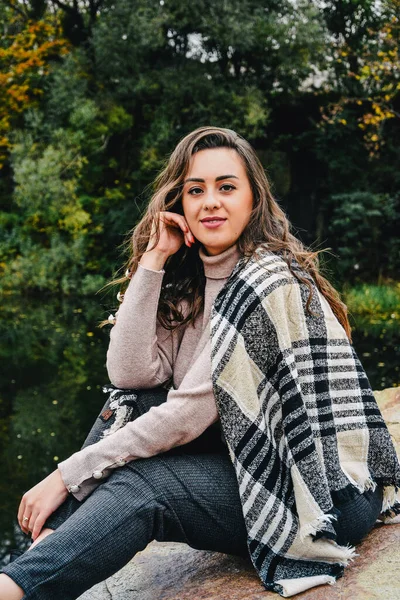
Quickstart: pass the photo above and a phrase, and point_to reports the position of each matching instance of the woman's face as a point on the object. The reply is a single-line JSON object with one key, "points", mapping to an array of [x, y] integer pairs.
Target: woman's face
{"points": [[217, 198]]}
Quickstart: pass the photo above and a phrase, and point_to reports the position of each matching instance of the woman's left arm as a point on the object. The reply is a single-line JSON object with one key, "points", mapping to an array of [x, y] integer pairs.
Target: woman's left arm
{"points": [[40, 502], [188, 411]]}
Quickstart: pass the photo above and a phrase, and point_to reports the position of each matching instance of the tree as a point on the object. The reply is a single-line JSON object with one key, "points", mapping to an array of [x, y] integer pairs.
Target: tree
{"points": [[28, 49], [365, 67], [363, 226]]}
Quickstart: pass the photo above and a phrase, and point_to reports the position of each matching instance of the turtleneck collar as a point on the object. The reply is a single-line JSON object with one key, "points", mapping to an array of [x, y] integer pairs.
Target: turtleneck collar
{"points": [[221, 265]]}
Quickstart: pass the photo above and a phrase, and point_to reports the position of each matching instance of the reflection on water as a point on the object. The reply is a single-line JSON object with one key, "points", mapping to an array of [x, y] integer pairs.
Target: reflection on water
{"points": [[377, 343], [53, 359]]}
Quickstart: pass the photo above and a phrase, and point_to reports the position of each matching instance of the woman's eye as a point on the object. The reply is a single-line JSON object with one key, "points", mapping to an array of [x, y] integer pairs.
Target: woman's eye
{"points": [[194, 190], [228, 185]]}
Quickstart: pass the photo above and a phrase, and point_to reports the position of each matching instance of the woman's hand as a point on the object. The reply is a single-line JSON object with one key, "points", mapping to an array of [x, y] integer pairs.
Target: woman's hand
{"points": [[40, 502], [174, 231]]}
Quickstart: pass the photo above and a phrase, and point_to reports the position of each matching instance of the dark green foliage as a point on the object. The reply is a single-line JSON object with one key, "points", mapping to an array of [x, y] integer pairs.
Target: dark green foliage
{"points": [[364, 230], [142, 74]]}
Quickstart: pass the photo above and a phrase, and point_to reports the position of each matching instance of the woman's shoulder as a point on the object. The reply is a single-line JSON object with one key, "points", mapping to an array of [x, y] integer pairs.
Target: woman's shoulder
{"points": [[265, 270], [271, 261]]}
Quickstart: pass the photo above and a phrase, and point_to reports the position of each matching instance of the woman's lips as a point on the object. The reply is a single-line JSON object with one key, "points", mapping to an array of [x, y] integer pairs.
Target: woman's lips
{"points": [[213, 224]]}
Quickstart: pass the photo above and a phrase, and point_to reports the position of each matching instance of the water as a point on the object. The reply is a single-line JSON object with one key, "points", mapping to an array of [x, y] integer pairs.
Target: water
{"points": [[53, 368], [377, 344]]}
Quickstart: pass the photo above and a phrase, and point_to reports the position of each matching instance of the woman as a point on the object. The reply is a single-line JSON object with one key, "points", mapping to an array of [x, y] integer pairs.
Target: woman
{"points": [[226, 316]]}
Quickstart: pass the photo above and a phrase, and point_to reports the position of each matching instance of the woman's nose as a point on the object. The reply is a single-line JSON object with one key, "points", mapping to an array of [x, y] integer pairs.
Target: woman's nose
{"points": [[211, 201]]}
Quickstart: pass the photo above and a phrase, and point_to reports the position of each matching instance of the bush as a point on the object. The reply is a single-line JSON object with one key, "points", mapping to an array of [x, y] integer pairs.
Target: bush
{"points": [[363, 229]]}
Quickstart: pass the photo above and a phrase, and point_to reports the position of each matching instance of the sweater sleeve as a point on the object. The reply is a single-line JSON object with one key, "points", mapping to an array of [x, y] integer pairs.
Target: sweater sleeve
{"points": [[140, 352], [187, 412]]}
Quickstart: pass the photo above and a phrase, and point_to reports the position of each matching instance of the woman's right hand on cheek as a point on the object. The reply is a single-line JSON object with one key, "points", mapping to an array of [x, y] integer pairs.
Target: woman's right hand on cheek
{"points": [[174, 231]]}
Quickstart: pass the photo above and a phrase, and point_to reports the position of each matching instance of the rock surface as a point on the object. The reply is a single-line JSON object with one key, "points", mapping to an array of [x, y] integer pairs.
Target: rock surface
{"points": [[171, 571]]}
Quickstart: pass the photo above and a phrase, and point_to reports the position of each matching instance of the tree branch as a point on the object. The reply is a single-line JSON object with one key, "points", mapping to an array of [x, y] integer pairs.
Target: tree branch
{"points": [[66, 7], [14, 6]]}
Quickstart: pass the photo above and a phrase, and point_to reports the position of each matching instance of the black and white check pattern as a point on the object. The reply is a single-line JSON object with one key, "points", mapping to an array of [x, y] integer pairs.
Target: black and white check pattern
{"points": [[299, 417]]}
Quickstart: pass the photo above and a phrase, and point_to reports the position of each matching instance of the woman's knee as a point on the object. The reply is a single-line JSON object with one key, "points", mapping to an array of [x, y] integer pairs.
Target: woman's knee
{"points": [[139, 401]]}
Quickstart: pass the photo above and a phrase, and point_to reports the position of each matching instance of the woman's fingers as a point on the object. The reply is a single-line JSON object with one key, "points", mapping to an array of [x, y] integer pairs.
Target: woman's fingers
{"points": [[27, 515], [38, 525], [25, 525], [21, 515], [27, 521], [169, 218], [173, 231], [32, 521], [178, 221], [188, 235]]}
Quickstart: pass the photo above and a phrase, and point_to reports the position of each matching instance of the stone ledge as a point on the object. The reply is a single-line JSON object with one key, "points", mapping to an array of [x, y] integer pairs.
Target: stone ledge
{"points": [[170, 571]]}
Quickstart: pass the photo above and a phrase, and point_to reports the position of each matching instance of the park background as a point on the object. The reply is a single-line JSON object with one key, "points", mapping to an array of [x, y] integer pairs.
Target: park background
{"points": [[94, 95]]}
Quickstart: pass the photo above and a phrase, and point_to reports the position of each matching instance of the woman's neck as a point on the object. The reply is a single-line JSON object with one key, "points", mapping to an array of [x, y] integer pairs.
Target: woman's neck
{"points": [[220, 266]]}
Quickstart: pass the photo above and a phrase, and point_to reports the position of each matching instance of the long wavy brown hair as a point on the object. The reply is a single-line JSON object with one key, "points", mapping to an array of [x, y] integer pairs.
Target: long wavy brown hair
{"points": [[184, 279]]}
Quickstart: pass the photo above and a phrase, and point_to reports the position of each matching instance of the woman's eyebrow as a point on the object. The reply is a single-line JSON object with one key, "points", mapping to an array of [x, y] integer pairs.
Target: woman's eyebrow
{"points": [[216, 179]]}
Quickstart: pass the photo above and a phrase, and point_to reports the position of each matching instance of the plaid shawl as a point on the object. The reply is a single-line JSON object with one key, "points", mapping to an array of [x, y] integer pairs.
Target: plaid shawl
{"points": [[299, 417]]}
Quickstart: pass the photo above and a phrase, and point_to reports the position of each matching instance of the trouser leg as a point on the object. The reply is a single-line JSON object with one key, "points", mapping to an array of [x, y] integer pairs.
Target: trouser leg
{"points": [[191, 498]]}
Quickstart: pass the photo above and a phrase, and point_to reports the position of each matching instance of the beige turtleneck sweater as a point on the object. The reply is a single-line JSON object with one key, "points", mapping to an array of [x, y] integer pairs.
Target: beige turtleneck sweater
{"points": [[143, 354]]}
